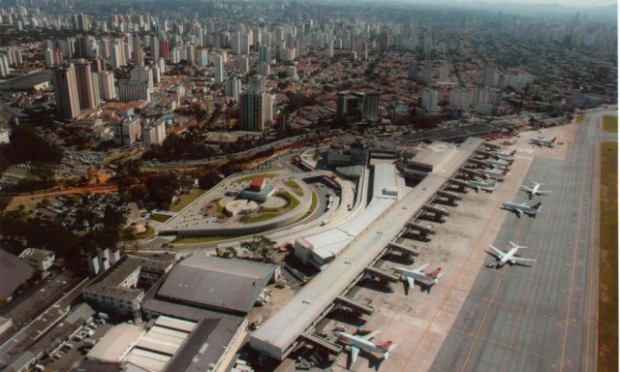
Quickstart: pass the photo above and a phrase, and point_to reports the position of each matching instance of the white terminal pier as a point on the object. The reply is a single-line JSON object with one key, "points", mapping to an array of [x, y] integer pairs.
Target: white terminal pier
{"points": [[278, 336]]}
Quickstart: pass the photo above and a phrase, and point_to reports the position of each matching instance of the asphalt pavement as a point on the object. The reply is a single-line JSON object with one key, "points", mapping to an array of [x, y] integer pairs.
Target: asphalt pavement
{"points": [[542, 317]]}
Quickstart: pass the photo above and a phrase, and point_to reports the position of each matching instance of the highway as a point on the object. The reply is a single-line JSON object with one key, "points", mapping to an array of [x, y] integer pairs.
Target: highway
{"points": [[541, 317]]}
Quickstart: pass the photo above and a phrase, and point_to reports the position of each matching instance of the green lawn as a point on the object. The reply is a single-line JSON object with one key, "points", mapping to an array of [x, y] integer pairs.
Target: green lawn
{"points": [[610, 123], [264, 216], [159, 217], [608, 259], [291, 201], [185, 200], [580, 117], [295, 187], [199, 239]]}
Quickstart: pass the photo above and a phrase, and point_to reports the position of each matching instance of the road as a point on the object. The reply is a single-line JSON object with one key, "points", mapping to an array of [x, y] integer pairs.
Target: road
{"points": [[541, 317]]}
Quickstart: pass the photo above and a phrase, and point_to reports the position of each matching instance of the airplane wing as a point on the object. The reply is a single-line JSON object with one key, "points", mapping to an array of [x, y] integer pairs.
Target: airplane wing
{"points": [[525, 188], [354, 352], [500, 253], [410, 281], [521, 259], [421, 267], [369, 336], [544, 192], [518, 211]]}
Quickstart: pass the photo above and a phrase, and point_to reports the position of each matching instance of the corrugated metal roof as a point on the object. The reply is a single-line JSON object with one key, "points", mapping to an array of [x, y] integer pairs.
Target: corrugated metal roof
{"points": [[172, 323], [217, 282], [115, 343]]}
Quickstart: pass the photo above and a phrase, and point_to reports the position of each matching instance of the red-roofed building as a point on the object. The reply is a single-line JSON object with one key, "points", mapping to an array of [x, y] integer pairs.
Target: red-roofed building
{"points": [[257, 183]]}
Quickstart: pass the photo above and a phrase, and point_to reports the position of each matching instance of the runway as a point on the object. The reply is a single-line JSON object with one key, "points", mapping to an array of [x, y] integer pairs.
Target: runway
{"points": [[541, 317]]}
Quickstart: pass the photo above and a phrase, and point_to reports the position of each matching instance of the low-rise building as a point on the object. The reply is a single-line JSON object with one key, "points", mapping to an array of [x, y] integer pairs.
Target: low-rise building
{"points": [[39, 259]]}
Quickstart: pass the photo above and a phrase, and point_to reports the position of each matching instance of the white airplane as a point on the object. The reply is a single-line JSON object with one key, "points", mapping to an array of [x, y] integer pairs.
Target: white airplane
{"points": [[502, 163], [486, 186], [534, 190], [495, 173], [541, 141], [355, 344], [522, 208], [504, 155], [510, 257], [411, 275]]}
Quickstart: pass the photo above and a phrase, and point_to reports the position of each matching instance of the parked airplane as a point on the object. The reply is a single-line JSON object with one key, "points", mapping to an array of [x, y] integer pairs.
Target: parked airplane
{"points": [[522, 208], [541, 141], [486, 186], [495, 173], [510, 257], [411, 275], [504, 155], [363, 343], [502, 163], [534, 190]]}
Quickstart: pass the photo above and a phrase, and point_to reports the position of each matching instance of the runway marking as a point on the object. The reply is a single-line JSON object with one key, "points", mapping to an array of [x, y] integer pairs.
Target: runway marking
{"points": [[572, 279], [488, 309]]}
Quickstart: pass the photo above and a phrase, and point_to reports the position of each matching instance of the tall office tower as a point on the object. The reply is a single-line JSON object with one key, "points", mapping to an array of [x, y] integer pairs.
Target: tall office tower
{"points": [[219, 69], [413, 70], [264, 69], [154, 48], [265, 54], [244, 65], [490, 77], [85, 85], [138, 51], [106, 85], [233, 87], [4, 65], [444, 72], [164, 48], [65, 87], [143, 74], [427, 76], [430, 98], [257, 83], [256, 110]]}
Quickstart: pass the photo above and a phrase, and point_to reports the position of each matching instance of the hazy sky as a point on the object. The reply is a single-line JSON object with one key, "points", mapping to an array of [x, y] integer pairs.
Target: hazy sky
{"points": [[571, 3]]}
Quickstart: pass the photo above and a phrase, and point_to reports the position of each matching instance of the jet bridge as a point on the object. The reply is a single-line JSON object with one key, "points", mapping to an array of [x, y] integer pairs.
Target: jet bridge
{"points": [[423, 230], [323, 343], [408, 251], [381, 274], [356, 305], [437, 212], [447, 195]]}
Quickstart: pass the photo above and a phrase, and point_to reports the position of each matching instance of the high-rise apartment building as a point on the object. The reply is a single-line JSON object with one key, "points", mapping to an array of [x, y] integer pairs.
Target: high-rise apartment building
{"points": [[66, 90], [233, 87], [430, 99], [106, 85], [219, 69], [85, 84]]}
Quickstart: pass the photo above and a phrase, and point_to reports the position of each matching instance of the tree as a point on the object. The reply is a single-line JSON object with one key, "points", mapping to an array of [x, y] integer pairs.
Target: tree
{"points": [[260, 246]]}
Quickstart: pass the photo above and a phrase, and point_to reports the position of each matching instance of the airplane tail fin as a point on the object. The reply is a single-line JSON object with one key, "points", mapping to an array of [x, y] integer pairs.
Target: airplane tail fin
{"points": [[554, 139], [389, 347], [513, 152], [505, 172]]}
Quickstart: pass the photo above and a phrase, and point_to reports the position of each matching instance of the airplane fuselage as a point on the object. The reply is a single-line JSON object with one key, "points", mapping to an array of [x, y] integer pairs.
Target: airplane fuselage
{"points": [[361, 344]]}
